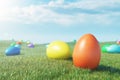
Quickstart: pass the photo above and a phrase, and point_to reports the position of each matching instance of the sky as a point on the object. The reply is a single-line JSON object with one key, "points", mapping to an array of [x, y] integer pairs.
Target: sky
{"points": [[43, 21]]}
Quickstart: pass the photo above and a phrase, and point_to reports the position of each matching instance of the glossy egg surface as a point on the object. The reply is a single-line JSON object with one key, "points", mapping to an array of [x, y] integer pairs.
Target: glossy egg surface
{"points": [[87, 52]]}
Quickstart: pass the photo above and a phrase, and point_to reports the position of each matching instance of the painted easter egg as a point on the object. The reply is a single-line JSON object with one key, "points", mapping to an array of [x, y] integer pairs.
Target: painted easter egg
{"points": [[87, 52], [58, 50], [19, 42], [12, 51], [28, 42], [18, 46], [114, 49], [31, 45], [13, 44], [104, 48]]}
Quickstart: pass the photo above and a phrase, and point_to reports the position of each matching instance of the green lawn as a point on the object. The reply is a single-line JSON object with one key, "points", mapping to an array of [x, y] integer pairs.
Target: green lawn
{"points": [[33, 64]]}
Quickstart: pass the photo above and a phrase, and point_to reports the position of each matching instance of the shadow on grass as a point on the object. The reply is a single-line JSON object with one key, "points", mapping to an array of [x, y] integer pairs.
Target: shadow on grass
{"points": [[109, 69], [69, 59]]}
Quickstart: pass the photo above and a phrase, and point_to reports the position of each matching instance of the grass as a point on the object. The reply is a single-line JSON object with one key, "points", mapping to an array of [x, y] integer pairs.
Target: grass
{"points": [[33, 64]]}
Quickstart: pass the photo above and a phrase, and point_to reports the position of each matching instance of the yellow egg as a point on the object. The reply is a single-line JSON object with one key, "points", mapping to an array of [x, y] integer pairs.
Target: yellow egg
{"points": [[58, 50]]}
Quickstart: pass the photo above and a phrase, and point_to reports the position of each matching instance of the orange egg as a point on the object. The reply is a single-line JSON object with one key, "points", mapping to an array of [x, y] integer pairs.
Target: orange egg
{"points": [[87, 52], [18, 42]]}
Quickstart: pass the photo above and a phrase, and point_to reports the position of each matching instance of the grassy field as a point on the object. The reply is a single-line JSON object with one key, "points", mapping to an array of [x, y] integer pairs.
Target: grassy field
{"points": [[33, 64]]}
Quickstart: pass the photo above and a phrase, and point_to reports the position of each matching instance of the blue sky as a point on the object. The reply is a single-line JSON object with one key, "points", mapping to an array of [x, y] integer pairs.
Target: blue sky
{"points": [[44, 21]]}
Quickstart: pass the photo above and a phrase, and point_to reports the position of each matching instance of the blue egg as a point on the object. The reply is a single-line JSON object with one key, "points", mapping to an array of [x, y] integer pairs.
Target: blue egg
{"points": [[18, 46], [114, 49], [12, 51]]}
